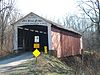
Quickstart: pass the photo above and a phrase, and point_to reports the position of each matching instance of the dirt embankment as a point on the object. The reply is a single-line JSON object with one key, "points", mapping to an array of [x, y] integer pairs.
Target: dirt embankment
{"points": [[45, 65], [87, 64]]}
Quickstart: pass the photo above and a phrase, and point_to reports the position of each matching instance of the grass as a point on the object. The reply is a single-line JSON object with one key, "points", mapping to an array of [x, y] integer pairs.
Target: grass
{"points": [[89, 64], [45, 65], [50, 65]]}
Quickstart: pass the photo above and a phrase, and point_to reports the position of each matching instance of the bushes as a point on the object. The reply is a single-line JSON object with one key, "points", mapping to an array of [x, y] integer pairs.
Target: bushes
{"points": [[89, 64]]}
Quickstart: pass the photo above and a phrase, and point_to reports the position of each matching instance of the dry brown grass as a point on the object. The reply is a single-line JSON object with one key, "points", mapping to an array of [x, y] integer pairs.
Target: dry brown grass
{"points": [[46, 65], [88, 65]]}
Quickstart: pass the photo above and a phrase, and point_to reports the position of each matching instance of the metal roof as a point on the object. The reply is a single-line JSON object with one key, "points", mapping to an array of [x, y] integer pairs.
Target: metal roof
{"points": [[51, 22]]}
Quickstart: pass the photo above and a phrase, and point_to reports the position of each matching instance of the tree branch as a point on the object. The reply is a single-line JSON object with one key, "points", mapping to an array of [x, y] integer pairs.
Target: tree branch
{"points": [[88, 15], [5, 8], [88, 27]]}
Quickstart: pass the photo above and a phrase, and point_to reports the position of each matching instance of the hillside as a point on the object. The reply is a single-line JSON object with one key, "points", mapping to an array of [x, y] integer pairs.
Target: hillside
{"points": [[45, 65], [50, 65]]}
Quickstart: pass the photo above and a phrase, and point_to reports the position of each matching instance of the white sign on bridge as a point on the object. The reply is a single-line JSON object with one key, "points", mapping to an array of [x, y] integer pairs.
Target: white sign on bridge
{"points": [[36, 39], [33, 20]]}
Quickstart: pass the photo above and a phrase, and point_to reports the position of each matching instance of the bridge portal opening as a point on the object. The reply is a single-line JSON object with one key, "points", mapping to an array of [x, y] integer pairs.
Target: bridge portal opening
{"points": [[26, 37]]}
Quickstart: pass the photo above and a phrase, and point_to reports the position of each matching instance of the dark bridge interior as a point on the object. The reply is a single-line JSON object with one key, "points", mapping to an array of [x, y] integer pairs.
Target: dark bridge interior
{"points": [[26, 37]]}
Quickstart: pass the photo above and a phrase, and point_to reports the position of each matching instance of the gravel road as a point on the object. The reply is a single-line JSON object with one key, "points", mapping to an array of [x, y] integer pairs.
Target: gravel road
{"points": [[7, 64]]}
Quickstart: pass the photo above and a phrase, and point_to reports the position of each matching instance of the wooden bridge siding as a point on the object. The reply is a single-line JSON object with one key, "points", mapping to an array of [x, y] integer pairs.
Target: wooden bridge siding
{"points": [[65, 43]]}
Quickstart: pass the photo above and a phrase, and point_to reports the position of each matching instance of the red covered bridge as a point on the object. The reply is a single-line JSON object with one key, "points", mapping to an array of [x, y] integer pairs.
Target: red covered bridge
{"points": [[59, 40]]}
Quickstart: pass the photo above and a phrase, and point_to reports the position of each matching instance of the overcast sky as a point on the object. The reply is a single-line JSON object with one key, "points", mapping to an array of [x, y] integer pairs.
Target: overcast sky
{"points": [[47, 8]]}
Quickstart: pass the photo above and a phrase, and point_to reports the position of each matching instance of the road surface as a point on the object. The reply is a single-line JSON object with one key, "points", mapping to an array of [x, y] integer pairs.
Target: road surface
{"points": [[5, 65]]}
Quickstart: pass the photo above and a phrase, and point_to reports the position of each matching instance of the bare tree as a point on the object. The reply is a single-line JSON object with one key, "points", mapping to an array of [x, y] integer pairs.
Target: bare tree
{"points": [[6, 8], [76, 22], [92, 9], [8, 14]]}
